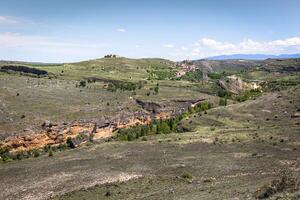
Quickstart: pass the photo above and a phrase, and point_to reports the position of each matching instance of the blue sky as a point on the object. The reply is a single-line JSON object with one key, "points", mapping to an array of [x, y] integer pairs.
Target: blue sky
{"points": [[73, 30]]}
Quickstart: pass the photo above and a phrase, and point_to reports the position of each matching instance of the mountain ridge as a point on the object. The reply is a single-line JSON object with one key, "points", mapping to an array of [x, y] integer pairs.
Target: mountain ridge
{"points": [[252, 56]]}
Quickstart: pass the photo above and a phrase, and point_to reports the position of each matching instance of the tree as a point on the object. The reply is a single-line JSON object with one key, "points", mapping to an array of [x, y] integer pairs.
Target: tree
{"points": [[82, 83], [165, 127], [70, 143], [156, 88], [172, 124], [50, 154], [223, 101]]}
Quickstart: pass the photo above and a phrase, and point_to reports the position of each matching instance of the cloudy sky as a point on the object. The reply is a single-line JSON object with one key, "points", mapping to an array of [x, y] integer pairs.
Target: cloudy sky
{"points": [[73, 30]]}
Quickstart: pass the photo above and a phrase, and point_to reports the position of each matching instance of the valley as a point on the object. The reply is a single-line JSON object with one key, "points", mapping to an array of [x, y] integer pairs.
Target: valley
{"points": [[120, 128]]}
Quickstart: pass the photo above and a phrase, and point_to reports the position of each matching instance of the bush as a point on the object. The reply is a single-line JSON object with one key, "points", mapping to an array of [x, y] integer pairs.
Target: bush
{"points": [[193, 76], [6, 158], [186, 175], [123, 86], [248, 95], [47, 148], [156, 88], [224, 93], [82, 83], [18, 156], [130, 138], [161, 74], [70, 143], [214, 75], [159, 126], [163, 127], [50, 153], [223, 101], [62, 147], [36, 153]]}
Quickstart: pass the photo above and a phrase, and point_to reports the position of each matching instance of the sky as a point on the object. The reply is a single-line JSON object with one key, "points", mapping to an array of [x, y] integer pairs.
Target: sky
{"points": [[74, 30]]}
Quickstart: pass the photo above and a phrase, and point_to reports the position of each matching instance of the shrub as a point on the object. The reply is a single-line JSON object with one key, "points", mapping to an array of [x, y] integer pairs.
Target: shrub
{"points": [[214, 75], [18, 156], [224, 93], [193, 76], [6, 158], [62, 147], [47, 148], [223, 101], [156, 88], [82, 83], [160, 126], [70, 143], [36, 153], [248, 95], [130, 138], [164, 128], [186, 175], [122, 85], [50, 153], [161, 74]]}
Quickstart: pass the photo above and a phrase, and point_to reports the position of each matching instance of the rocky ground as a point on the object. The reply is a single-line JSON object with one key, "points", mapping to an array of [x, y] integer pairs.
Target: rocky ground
{"points": [[232, 152], [248, 149]]}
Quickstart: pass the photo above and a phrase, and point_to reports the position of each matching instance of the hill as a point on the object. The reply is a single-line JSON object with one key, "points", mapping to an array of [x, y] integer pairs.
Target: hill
{"points": [[115, 128]]}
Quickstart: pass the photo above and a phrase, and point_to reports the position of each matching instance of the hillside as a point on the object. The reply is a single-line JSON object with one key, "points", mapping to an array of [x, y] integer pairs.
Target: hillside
{"points": [[114, 128]]}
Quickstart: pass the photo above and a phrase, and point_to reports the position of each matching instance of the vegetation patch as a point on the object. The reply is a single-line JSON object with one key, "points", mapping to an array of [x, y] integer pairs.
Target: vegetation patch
{"points": [[215, 75], [186, 175], [193, 76], [162, 126], [281, 84], [161, 74], [23, 69], [120, 85], [248, 95]]}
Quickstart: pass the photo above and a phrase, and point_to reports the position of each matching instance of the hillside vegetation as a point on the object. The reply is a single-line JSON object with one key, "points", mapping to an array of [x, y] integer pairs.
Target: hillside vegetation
{"points": [[120, 128]]}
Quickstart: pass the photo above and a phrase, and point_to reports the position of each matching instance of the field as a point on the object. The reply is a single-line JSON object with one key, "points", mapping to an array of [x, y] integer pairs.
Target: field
{"points": [[243, 150]]}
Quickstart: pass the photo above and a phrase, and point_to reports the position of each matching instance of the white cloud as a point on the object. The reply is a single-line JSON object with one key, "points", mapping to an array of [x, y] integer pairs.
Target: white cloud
{"points": [[15, 39], [50, 48], [9, 39], [168, 46], [183, 49], [122, 30], [294, 41], [209, 47], [215, 45], [7, 20]]}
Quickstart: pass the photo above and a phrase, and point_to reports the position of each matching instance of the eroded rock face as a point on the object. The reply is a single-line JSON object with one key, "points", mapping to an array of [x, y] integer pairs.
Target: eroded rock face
{"points": [[236, 85], [53, 135], [82, 131]]}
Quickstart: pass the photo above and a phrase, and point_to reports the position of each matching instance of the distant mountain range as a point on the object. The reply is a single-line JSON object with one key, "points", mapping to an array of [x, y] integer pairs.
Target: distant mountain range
{"points": [[253, 56]]}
